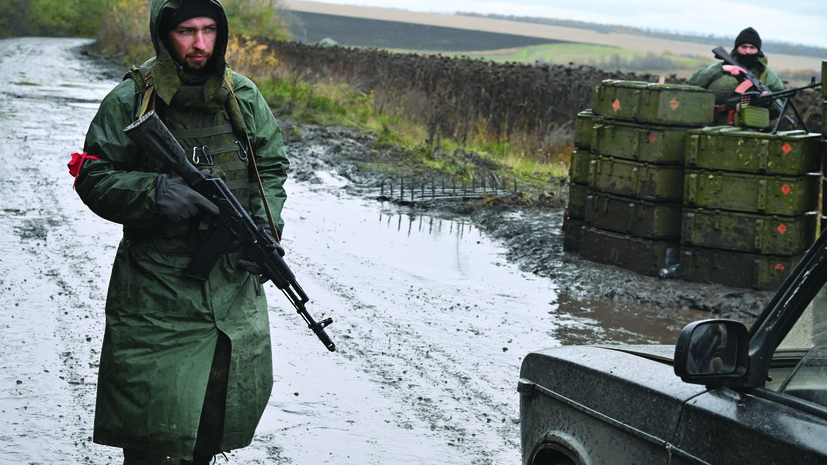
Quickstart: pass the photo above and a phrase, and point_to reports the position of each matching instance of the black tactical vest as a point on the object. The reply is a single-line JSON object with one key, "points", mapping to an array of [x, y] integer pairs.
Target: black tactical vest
{"points": [[205, 131]]}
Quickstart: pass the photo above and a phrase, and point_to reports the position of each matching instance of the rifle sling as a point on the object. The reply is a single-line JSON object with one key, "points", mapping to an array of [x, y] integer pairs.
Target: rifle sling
{"points": [[233, 101]]}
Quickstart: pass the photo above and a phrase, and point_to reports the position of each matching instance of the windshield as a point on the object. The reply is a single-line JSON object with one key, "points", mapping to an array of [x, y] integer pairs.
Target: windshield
{"points": [[800, 364], [811, 328]]}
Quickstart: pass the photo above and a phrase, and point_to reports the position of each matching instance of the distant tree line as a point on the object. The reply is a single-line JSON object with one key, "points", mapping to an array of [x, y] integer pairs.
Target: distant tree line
{"points": [[51, 18], [708, 39], [121, 26]]}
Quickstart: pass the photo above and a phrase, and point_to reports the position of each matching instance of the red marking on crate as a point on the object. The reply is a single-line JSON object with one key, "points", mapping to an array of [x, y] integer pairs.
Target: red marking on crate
{"points": [[652, 138], [674, 104], [616, 105], [779, 267], [782, 228], [786, 189], [787, 148]]}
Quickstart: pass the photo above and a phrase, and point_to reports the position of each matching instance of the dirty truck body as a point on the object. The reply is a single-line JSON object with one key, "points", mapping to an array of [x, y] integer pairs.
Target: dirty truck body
{"points": [[723, 394]]}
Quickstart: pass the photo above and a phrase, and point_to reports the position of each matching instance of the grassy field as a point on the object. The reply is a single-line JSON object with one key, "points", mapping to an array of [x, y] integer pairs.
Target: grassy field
{"points": [[600, 56], [677, 57], [364, 32]]}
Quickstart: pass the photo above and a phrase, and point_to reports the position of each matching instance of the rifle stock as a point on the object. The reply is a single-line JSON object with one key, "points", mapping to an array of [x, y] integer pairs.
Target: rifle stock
{"points": [[150, 133]]}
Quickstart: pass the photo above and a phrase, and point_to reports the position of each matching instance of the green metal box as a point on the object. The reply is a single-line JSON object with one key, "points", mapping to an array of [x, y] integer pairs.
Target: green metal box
{"points": [[639, 218], [643, 256], [751, 193], [823, 113], [824, 73], [646, 102], [639, 180], [577, 200], [748, 232], [583, 129], [728, 148], [572, 234], [737, 269], [579, 166], [639, 142]]}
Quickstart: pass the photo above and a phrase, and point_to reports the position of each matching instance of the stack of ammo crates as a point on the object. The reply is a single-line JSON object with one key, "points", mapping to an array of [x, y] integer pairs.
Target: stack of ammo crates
{"points": [[750, 205], [824, 147], [632, 198], [575, 216], [654, 186]]}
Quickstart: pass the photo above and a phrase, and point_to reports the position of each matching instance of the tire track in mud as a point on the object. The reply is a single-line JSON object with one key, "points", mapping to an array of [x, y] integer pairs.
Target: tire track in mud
{"points": [[51, 251], [438, 387]]}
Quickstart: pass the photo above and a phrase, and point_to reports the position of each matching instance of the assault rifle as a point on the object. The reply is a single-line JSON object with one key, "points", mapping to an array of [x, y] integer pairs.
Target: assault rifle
{"points": [[234, 223]]}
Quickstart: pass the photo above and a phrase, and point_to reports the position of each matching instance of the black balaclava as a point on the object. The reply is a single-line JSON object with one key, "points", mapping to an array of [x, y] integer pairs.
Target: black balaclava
{"points": [[748, 36]]}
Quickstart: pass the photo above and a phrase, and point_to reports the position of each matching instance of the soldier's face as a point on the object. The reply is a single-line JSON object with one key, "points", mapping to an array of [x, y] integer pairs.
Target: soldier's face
{"points": [[747, 49], [192, 42]]}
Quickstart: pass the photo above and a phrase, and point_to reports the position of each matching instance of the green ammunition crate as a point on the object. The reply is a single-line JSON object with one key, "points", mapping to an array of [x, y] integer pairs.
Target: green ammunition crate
{"points": [[749, 116], [748, 232], [572, 234], [646, 102], [823, 119], [751, 193], [639, 180], [824, 73], [579, 166], [732, 149], [647, 143], [643, 256], [737, 269], [577, 200], [583, 129], [639, 218]]}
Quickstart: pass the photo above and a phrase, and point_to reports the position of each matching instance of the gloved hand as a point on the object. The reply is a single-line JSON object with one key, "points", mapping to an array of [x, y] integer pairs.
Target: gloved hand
{"points": [[734, 70], [178, 201], [253, 267]]}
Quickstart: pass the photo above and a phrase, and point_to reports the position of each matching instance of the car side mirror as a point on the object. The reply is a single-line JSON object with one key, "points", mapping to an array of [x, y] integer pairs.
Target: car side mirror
{"points": [[713, 352]]}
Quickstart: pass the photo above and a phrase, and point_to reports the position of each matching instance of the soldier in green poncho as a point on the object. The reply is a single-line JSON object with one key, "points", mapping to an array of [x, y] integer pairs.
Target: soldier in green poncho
{"points": [[723, 79], [186, 365]]}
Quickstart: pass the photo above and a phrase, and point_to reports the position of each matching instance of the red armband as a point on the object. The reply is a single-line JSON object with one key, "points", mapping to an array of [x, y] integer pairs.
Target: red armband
{"points": [[77, 162]]}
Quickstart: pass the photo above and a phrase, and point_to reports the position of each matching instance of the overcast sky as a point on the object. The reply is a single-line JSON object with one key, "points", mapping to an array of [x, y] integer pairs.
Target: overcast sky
{"points": [[795, 21]]}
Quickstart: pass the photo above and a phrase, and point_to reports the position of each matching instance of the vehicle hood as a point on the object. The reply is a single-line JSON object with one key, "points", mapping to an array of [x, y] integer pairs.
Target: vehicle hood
{"points": [[658, 353]]}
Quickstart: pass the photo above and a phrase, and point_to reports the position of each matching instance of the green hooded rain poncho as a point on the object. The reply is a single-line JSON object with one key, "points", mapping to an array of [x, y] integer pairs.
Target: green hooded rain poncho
{"points": [[162, 326]]}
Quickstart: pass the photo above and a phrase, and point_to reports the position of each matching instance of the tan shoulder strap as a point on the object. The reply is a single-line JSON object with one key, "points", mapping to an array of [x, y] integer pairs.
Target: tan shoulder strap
{"points": [[148, 102]]}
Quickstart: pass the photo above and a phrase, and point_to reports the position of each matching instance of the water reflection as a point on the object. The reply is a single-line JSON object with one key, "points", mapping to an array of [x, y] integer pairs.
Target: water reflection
{"points": [[391, 249], [410, 222]]}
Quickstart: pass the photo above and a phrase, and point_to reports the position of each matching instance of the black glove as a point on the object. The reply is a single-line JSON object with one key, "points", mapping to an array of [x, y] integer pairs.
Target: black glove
{"points": [[178, 201]]}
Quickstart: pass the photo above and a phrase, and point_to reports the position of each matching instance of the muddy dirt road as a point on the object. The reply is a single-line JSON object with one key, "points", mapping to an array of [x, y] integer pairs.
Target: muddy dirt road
{"points": [[433, 312]]}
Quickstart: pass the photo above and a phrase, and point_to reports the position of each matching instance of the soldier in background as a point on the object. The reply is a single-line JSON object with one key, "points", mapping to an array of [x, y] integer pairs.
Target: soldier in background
{"points": [[725, 81]]}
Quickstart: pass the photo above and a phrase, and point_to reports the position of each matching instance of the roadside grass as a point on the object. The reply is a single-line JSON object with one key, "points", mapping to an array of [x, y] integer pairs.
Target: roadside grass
{"points": [[318, 103]]}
